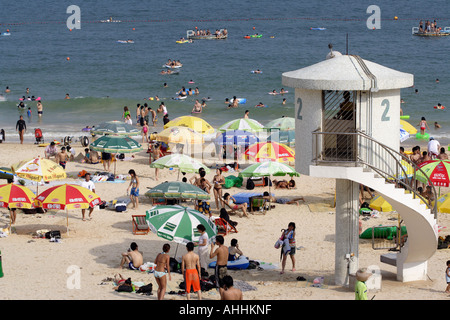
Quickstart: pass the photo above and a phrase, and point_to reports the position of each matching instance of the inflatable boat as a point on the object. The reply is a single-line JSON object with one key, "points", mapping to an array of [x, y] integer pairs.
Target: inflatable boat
{"points": [[238, 264]]}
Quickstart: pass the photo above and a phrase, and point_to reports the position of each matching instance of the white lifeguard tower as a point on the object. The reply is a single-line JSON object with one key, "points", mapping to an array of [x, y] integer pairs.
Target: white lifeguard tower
{"points": [[347, 127]]}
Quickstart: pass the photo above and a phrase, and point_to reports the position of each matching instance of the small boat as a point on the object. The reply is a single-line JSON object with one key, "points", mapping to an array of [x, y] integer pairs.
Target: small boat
{"points": [[441, 33], [125, 41], [190, 34], [238, 264]]}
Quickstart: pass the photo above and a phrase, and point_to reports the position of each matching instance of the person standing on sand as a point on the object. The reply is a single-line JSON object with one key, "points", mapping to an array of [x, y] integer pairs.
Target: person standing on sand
{"points": [[21, 127], [157, 153], [229, 292], [134, 185], [290, 235], [190, 268], [88, 184], [62, 158], [203, 247], [222, 260], [218, 182], [162, 268], [360, 287]]}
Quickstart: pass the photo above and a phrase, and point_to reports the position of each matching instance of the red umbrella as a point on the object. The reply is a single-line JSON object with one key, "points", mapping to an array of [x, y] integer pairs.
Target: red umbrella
{"points": [[437, 171]]}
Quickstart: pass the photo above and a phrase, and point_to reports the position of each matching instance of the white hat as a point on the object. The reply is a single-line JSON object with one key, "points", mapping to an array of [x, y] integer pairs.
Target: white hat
{"points": [[362, 274]]}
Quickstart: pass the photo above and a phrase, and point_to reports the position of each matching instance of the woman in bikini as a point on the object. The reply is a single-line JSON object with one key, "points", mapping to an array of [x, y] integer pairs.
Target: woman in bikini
{"points": [[228, 199], [218, 181], [162, 268], [134, 192]]}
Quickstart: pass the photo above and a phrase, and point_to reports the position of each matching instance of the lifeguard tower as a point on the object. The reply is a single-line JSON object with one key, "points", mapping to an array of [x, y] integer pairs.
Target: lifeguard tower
{"points": [[347, 113]]}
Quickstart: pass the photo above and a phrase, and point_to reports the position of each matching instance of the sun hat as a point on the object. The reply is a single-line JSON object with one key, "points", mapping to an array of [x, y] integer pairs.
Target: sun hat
{"points": [[362, 274]]}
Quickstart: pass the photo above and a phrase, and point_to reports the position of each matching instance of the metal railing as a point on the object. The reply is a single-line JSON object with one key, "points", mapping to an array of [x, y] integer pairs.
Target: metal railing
{"points": [[359, 149]]}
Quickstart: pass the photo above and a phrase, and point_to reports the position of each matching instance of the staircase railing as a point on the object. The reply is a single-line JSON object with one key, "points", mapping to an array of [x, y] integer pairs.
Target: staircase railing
{"points": [[359, 149]]}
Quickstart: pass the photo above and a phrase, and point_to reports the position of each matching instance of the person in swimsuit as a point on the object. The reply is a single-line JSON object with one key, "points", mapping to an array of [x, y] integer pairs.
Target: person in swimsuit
{"points": [[61, 157], [222, 259], [423, 125], [190, 268], [228, 199], [133, 258], [125, 113], [106, 158], [289, 234], [197, 107], [144, 132], [203, 205], [218, 182], [21, 127], [162, 268], [134, 192], [233, 250]]}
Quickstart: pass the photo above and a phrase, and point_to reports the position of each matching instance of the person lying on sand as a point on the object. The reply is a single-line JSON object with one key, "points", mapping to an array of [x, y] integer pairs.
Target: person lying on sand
{"points": [[284, 184], [283, 200]]}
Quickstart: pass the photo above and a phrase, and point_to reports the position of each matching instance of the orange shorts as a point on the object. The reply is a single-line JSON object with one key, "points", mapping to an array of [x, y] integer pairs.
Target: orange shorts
{"points": [[192, 279]]}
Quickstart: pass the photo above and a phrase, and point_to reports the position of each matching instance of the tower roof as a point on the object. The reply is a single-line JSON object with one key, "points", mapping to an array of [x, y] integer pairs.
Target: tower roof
{"points": [[347, 72]]}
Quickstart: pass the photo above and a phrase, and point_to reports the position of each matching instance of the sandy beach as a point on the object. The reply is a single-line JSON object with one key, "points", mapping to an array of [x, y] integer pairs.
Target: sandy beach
{"points": [[95, 246]]}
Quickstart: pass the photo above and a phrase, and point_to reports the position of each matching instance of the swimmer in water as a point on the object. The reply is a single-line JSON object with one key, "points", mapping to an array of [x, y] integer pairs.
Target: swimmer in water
{"points": [[437, 125], [260, 105]]}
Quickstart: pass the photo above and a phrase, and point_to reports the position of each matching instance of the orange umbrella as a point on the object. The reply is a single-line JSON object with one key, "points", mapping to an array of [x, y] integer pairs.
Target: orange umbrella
{"points": [[66, 197]]}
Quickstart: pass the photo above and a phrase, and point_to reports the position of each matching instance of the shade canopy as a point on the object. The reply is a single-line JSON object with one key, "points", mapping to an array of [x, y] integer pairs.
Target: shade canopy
{"points": [[116, 127]]}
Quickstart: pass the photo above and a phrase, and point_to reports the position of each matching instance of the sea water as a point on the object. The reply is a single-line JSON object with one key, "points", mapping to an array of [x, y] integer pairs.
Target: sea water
{"points": [[102, 76]]}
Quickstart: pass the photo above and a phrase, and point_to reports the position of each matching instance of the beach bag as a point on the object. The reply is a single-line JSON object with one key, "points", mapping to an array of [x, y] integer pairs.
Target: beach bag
{"points": [[147, 289], [56, 234], [174, 265], [125, 288], [250, 184]]}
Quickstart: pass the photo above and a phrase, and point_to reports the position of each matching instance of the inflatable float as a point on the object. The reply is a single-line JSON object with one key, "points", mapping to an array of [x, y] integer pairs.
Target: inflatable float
{"points": [[6, 34], [256, 71], [404, 117], [239, 100], [382, 232], [182, 41], [87, 129], [256, 35], [247, 37], [318, 28], [238, 264], [171, 67], [37, 99], [125, 41], [439, 106], [46, 144], [180, 98], [424, 136]]}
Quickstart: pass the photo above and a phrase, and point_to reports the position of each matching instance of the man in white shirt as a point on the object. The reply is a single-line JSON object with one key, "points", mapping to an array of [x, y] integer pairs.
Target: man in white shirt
{"points": [[433, 148], [88, 184]]}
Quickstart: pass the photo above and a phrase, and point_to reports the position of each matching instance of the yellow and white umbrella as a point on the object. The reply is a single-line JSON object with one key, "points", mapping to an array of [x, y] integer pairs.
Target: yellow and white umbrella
{"points": [[38, 169], [194, 123], [181, 135], [408, 127]]}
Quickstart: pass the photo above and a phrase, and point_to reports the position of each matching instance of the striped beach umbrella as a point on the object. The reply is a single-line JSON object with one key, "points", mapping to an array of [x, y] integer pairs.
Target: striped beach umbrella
{"points": [[16, 196], [270, 151], [284, 124], [180, 161], [115, 144], [436, 170], [38, 169], [236, 138], [242, 124], [177, 190], [268, 168], [179, 224], [116, 127], [67, 197]]}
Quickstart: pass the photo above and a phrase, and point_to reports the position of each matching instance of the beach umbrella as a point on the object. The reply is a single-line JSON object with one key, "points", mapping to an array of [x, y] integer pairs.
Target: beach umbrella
{"points": [[436, 170], [181, 135], [270, 151], [404, 135], [194, 123], [67, 197], [284, 124], [15, 196], [6, 173], [178, 160], [179, 224], [268, 168], [443, 203], [38, 169], [116, 127], [115, 144], [284, 137], [408, 127], [242, 124], [236, 138], [380, 204], [177, 190]]}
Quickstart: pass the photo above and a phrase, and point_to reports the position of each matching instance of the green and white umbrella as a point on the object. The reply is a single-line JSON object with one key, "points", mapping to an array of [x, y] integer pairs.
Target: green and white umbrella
{"points": [[179, 224], [284, 123], [117, 128], [268, 168], [115, 144], [177, 190], [242, 124], [178, 160]]}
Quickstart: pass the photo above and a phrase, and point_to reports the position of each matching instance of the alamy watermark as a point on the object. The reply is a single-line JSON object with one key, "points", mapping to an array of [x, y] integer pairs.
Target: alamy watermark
{"points": [[74, 20], [374, 21]]}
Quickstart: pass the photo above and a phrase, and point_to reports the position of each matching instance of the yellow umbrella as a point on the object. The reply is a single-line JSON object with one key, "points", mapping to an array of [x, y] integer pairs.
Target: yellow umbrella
{"points": [[270, 151], [443, 203], [181, 135], [408, 127], [66, 197], [378, 203], [38, 169], [195, 123], [15, 196]]}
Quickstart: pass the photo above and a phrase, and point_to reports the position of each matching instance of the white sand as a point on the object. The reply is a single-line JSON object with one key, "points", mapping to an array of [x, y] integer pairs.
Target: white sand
{"points": [[37, 268]]}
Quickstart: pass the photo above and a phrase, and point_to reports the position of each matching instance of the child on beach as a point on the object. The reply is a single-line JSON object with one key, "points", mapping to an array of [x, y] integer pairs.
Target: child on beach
{"points": [[144, 132], [423, 124]]}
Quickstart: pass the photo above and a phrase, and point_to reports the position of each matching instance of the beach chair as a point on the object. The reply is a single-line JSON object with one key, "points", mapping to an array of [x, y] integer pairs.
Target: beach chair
{"points": [[140, 225], [259, 204], [223, 227], [226, 205]]}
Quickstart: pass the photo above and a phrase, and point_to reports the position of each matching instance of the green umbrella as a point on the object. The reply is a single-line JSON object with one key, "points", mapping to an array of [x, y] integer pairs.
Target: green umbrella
{"points": [[115, 144], [179, 224], [117, 128], [177, 190], [181, 161], [268, 168], [284, 123], [242, 124]]}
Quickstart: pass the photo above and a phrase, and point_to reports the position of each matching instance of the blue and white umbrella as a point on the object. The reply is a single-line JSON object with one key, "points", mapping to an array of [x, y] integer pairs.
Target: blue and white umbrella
{"points": [[404, 135], [236, 138]]}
